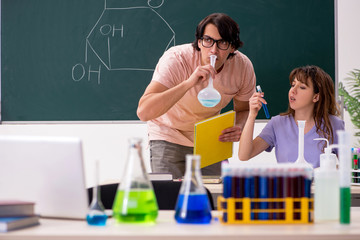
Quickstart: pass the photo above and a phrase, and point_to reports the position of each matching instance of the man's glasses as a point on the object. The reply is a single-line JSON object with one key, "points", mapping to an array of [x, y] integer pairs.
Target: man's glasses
{"points": [[208, 42]]}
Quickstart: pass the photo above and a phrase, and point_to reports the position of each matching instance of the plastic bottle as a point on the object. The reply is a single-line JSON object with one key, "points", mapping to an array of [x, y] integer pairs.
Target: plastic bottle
{"points": [[193, 204], [326, 179], [135, 200]]}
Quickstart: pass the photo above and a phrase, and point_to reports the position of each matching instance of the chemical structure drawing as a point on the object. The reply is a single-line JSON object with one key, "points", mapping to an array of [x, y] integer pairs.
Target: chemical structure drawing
{"points": [[125, 38]]}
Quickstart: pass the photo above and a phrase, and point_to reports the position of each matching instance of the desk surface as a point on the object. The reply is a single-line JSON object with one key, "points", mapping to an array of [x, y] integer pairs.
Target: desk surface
{"points": [[167, 228]]}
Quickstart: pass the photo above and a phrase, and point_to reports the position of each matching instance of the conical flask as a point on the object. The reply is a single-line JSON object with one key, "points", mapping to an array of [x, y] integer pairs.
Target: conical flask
{"points": [[135, 200], [193, 204]]}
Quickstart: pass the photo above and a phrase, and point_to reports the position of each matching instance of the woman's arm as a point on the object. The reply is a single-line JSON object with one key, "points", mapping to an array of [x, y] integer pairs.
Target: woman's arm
{"points": [[248, 147]]}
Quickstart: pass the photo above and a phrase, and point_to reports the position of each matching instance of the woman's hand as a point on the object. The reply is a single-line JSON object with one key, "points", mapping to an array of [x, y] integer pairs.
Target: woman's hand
{"points": [[255, 103]]}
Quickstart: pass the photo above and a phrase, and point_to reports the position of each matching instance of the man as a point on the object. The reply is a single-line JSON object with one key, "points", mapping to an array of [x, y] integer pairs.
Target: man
{"points": [[170, 105]]}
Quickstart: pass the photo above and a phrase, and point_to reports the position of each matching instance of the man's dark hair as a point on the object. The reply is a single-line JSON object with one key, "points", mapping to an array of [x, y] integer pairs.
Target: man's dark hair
{"points": [[227, 27]]}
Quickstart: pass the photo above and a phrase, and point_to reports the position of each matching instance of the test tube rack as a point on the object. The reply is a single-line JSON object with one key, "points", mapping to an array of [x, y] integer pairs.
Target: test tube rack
{"points": [[260, 194], [355, 163], [278, 210], [355, 177]]}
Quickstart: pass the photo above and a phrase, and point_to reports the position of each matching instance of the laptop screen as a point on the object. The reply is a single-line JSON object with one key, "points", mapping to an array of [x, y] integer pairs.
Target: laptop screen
{"points": [[46, 170]]}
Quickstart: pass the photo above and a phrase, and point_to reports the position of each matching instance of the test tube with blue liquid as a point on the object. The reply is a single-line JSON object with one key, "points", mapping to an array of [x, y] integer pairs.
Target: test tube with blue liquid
{"points": [[258, 88], [264, 192], [226, 179]]}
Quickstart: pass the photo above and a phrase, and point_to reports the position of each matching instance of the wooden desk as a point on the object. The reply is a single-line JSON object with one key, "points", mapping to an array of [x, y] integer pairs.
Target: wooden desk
{"points": [[167, 228]]}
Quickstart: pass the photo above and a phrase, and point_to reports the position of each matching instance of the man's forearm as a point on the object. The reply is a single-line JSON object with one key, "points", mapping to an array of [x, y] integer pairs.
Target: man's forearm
{"points": [[241, 117]]}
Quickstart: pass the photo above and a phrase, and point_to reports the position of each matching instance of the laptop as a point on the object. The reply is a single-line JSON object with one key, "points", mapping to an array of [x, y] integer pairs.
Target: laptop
{"points": [[46, 170]]}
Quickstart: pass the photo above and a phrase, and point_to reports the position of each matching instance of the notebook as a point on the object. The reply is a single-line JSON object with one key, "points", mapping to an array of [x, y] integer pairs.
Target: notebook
{"points": [[46, 170], [206, 138]]}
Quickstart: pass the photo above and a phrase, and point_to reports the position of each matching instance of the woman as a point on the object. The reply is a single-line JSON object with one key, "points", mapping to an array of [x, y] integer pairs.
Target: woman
{"points": [[311, 98]]}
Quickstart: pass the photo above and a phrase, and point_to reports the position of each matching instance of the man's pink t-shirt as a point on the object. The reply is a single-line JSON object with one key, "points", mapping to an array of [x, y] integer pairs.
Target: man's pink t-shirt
{"points": [[236, 80]]}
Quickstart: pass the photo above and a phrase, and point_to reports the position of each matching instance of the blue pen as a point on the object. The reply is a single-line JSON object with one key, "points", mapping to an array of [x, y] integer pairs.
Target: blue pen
{"points": [[263, 105]]}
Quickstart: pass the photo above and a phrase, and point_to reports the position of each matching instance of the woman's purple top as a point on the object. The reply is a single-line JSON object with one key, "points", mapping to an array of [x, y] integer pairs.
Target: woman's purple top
{"points": [[282, 132]]}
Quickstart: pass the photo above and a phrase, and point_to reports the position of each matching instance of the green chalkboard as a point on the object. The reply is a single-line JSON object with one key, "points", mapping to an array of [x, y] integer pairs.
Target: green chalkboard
{"points": [[91, 60]]}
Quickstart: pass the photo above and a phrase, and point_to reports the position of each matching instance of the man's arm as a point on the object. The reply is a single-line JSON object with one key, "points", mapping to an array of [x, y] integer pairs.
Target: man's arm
{"points": [[242, 111], [158, 99]]}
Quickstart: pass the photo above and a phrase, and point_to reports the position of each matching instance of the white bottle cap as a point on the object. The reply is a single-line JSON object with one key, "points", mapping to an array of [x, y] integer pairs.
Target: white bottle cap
{"points": [[327, 159]]}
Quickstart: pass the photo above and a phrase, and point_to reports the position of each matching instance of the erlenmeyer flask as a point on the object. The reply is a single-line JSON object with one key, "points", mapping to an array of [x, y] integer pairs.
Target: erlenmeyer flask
{"points": [[135, 200], [193, 204]]}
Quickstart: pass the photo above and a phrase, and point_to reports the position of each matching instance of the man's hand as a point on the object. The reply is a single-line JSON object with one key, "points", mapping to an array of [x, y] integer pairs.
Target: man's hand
{"points": [[230, 134]]}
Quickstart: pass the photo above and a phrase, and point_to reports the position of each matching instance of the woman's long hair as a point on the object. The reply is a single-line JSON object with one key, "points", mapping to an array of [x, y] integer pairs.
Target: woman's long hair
{"points": [[326, 105]]}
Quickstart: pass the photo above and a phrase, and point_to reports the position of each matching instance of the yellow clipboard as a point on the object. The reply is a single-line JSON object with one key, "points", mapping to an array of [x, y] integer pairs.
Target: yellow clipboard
{"points": [[206, 139]]}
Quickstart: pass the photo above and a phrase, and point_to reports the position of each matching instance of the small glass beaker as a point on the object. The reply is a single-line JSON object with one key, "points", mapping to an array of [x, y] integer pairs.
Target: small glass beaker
{"points": [[135, 200], [193, 204]]}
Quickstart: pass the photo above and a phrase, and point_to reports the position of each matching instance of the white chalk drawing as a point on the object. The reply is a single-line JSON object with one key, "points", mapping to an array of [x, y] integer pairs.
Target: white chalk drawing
{"points": [[124, 39]]}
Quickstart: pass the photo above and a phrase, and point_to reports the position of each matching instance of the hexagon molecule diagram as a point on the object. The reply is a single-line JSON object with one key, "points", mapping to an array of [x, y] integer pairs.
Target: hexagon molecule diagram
{"points": [[130, 37]]}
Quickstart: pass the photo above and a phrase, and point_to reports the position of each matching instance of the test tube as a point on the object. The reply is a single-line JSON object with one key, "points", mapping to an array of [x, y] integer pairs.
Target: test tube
{"points": [[254, 191], [345, 176], [227, 179], [280, 190], [263, 192], [263, 105], [248, 182], [238, 191], [271, 191]]}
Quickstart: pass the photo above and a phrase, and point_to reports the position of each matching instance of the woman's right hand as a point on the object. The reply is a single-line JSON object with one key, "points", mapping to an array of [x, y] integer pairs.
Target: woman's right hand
{"points": [[255, 103]]}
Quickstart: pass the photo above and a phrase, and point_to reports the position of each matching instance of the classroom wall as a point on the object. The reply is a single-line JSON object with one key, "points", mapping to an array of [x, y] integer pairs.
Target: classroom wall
{"points": [[107, 142], [348, 47]]}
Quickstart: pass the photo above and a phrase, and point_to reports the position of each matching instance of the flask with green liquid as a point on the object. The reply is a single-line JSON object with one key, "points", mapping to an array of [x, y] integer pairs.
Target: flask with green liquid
{"points": [[135, 200]]}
